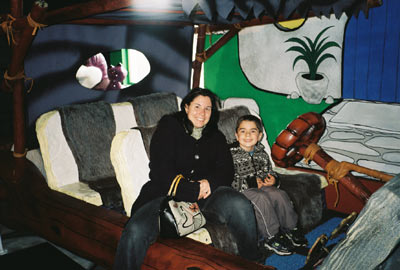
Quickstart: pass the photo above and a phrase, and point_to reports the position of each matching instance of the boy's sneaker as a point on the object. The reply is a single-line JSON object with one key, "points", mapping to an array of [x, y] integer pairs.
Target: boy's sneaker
{"points": [[278, 244], [296, 238]]}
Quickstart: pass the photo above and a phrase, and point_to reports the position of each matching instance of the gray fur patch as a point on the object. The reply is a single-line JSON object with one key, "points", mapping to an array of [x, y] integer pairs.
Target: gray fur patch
{"points": [[147, 134], [305, 192], [227, 121], [150, 108], [89, 129]]}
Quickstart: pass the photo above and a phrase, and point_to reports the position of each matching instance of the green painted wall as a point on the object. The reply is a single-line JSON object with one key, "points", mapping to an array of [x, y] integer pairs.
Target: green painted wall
{"points": [[223, 75]]}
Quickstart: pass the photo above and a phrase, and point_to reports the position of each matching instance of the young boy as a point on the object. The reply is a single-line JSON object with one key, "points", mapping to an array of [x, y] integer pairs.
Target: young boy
{"points": [[276, 217]]}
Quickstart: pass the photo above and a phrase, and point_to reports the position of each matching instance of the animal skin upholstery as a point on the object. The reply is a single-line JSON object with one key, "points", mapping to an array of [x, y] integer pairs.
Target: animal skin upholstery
{"points": [[305, 192]]}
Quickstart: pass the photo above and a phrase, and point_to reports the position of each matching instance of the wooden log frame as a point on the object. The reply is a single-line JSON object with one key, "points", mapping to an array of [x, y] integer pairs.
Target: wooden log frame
{"points": [[27, 203], [23, 39], [202, 55]]}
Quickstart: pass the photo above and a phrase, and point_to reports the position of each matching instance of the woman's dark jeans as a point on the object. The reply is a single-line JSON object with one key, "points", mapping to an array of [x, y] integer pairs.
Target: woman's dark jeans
{"points": [[230, 206]]}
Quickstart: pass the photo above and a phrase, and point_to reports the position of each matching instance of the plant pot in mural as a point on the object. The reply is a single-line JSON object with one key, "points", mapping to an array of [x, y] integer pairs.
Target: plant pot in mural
{"points": [[312, 91], [312, 85]]}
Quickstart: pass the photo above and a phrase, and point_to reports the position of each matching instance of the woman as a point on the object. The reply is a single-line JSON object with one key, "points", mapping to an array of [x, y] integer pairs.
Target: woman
{"points": [[189, 143]]}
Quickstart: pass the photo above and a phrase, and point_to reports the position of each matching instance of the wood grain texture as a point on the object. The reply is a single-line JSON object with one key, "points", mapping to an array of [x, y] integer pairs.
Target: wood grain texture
{"points": [[90, 231]]}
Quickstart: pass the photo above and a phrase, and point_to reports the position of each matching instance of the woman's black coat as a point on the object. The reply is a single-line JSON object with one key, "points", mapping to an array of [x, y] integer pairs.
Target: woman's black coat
{"points": [[173, 151]]}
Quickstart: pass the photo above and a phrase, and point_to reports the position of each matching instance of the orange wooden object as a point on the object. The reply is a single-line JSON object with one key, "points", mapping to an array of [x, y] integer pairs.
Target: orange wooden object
{"points": [[291, 144], [298, 135]]}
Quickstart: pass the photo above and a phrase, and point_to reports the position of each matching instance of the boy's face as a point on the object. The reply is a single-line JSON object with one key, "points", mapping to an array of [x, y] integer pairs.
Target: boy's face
{"points": [[248, 135]]}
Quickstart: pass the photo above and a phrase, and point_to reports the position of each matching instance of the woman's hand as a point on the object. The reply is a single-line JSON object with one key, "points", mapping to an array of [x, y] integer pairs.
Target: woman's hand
{"points": [[205, 189], [268, 181]]}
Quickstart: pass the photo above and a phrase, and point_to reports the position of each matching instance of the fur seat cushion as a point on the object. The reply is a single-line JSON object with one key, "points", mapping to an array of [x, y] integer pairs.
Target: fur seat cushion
{"points": [[90, 144], [305, 192], [150, 108]]}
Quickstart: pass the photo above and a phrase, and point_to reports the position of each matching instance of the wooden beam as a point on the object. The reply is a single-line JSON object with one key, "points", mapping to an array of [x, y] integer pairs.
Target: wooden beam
{"points": [[84, 10], [184, 252], [202, 55], [16, 8], [197, 63], [221, 42], [374, 3], [99, 21], [15, 72]]}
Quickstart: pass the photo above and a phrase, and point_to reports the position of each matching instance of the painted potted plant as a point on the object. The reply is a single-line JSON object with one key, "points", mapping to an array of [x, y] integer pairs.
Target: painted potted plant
{"points": [[312, 85]]}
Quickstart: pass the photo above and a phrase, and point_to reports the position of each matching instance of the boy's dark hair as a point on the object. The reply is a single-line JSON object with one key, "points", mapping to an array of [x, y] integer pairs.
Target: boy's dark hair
{"points": [[252, 118]]}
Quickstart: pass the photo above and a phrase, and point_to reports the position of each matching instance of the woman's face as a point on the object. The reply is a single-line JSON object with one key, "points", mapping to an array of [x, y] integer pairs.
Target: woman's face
{"points": [[199, 111]]}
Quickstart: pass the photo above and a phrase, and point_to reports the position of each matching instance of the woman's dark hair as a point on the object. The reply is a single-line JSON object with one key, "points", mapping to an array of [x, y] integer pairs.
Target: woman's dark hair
{"points": [[215, 103], [252, 118]]}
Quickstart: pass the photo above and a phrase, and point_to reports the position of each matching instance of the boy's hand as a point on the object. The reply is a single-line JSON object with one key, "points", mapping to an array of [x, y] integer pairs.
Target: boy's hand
{"points": [[268, 181], [260, 183]]}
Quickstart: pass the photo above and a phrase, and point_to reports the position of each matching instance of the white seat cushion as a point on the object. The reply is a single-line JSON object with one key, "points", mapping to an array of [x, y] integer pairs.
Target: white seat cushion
{"points": [[59, 163], [131, 165]]}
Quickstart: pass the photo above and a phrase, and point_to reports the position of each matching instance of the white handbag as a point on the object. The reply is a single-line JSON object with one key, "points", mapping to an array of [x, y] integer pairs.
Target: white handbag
{"points": [[178, 218]]}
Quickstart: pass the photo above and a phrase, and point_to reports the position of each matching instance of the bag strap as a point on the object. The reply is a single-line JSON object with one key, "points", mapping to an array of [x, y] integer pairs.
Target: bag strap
{"points": [[174, 185]]}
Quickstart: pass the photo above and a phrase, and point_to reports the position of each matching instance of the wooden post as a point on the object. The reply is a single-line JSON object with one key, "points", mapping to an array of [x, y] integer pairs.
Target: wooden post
{"points": [[16, 8], [23, 39], [197, 63], [202, 55], [221, 42]]}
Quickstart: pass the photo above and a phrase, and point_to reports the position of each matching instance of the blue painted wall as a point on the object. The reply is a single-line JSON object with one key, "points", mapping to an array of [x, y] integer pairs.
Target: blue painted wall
{"points": [[371, 66], [58, 51]]}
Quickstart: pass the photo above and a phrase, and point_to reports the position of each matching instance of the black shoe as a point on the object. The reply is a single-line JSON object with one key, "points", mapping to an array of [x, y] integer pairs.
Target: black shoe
{"points": [[278, 244], [296, 238]]}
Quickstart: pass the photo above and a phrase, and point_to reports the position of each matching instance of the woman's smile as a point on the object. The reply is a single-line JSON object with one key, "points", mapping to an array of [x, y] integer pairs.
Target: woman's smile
{"points": [[199, 111]]}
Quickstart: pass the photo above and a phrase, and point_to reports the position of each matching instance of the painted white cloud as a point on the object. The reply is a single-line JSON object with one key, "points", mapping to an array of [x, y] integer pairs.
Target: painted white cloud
{"points": [[268, 67]]}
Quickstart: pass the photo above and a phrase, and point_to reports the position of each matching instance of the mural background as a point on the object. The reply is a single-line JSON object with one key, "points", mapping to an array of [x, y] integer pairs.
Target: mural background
{"points": [[268, 65], [370, 69]]}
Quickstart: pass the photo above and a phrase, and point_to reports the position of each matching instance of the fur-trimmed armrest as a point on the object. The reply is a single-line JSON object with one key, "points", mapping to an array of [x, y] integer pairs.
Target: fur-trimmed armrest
{"points": [[305, 192], [131, 165], [129, 156]]}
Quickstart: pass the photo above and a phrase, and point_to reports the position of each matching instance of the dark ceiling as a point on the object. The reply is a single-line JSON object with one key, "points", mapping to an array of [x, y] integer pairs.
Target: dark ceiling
{"points": [[217, 11]]}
